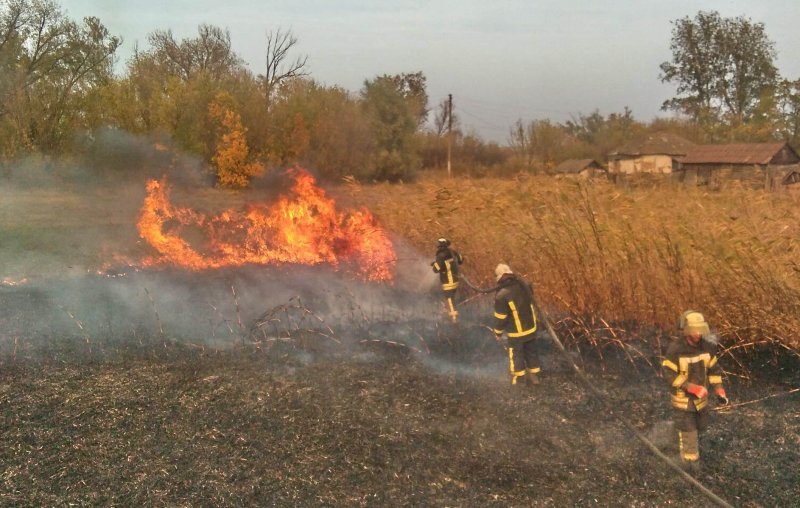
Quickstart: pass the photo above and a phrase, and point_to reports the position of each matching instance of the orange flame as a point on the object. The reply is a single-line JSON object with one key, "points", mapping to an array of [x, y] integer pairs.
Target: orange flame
{"points": [[303, 228]]}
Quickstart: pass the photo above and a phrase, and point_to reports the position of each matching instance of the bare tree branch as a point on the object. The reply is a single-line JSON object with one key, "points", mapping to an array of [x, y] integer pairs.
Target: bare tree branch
{"points": [[279, 69]]}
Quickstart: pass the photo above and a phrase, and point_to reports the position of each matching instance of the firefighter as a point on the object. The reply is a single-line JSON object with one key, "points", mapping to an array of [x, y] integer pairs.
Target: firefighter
{"points": [[446, 265], [690, 366], [514, 314]]}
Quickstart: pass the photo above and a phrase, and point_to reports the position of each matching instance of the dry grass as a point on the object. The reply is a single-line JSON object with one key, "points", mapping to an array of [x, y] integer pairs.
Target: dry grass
{"points": [[604, 258]]}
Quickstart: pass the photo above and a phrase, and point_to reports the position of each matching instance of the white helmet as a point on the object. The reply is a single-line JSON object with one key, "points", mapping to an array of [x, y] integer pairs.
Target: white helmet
{"points": [[502, 269]]}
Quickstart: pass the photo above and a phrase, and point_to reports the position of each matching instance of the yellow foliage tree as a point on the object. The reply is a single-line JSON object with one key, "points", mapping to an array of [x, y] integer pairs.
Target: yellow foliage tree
{"points": [[232, 161], [299, 139]]}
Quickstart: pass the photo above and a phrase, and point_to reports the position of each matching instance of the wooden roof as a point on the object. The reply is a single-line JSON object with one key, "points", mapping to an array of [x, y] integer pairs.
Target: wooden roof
{"points": [[740, 153], [660, 143], [576, 165]]}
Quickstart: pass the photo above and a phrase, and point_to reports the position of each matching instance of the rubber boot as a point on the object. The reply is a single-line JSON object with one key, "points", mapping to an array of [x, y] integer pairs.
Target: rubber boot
{"points": [[451, 310], [532, 378], [519, 381], [690, 450]]}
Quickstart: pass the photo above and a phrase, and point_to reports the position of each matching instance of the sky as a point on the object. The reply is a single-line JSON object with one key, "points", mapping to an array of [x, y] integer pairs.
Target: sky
{"points": [[502, 60]]}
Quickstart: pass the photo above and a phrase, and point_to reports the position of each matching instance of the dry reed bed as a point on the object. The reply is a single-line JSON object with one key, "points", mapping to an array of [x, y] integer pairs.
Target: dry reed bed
{"points": [[615, 262]]}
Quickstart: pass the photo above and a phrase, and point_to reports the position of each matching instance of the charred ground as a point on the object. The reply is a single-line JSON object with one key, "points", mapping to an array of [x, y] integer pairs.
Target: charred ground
{"points": [[392, 412]]}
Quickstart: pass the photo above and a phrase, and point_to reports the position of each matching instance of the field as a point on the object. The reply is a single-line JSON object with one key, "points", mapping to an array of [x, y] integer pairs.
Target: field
{"points": [[302, 386], [619, 262]]}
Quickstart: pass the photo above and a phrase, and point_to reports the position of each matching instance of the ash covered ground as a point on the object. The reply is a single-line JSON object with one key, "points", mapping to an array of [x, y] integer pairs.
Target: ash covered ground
{"points": [[298, 386]]}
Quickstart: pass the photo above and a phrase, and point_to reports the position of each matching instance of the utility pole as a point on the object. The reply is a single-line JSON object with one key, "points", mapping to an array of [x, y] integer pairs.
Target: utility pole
{"points": [[449, 131]]}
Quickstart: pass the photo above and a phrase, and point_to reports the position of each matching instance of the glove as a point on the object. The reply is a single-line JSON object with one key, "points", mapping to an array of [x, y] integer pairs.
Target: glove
{"points": [[723, 399], [698, 391], [498, 337]]}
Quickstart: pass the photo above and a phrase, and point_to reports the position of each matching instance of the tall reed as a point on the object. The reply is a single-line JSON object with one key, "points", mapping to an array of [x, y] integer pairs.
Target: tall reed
{"points": [[614, 260]]}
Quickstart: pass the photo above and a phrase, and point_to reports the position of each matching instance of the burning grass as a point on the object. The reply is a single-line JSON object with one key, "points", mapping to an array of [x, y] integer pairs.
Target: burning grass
{"points": [[301, 228]]}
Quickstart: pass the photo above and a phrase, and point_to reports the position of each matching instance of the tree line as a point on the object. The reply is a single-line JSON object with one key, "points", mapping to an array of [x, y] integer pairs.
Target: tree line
{"points": [[58, 84]]}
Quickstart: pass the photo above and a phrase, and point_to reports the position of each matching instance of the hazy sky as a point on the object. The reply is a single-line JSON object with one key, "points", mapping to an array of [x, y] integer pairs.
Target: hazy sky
{"points": [[501, 60]]}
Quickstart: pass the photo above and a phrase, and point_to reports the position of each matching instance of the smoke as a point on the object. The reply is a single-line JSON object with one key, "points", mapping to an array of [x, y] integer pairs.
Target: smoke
{"points": [[77, 213], [70, 244], [246, 305]]}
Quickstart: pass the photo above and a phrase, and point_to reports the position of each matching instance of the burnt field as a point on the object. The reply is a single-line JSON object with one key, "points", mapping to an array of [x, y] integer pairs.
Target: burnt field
{"points": [[194, 393]]}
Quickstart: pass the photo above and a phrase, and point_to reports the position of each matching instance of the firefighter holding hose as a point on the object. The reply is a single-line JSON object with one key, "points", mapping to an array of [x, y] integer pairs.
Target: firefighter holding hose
{"points": [[446, 265], [514, 315], [691, 368]]}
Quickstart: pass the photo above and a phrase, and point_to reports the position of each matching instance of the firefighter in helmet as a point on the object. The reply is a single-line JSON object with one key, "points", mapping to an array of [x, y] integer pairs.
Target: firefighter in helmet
{"points": [[515, 315], [446, 265], [691, 368]]}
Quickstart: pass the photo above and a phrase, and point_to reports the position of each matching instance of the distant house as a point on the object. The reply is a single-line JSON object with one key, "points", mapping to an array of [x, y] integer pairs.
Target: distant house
{"points": [[584, 168], [762, 164], [657, 153]]}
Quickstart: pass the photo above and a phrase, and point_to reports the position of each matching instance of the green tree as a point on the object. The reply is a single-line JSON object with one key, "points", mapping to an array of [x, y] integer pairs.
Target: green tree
{"points": [[52, 69], [412, 86], [395, 106], [788, 97], [721, 66], [173, 83]]}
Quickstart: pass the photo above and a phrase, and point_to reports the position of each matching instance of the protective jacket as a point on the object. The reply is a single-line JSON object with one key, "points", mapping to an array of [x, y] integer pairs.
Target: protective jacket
{"points": [[685, 364], [446, 265], [513, 308]]}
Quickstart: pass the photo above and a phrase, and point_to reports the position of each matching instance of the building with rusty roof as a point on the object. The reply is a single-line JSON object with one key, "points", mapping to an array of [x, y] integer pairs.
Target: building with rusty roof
{"points": [[740, 154], [759, 163], [657, 153]]}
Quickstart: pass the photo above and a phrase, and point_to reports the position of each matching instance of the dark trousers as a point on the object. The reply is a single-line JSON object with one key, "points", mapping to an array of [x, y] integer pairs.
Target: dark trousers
{"points": [[523, 357], [689, 424], [688, 421]]}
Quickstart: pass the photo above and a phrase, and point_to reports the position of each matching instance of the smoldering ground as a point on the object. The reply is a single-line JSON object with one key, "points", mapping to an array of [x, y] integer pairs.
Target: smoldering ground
{"points": [[216, 308]]}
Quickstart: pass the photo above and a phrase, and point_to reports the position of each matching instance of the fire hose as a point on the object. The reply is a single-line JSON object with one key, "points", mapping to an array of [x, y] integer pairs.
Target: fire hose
{"points": [[601, 397], [476, 288]]}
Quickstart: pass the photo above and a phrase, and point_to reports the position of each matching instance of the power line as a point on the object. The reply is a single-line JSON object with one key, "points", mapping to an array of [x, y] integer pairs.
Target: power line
{"points": [[514, 107], [485, 122]]}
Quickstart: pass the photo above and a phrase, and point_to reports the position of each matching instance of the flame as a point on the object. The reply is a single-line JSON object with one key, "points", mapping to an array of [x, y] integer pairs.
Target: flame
{"points": [[303, 227]]}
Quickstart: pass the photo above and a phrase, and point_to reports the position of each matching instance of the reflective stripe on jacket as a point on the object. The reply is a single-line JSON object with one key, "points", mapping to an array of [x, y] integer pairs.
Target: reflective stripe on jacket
{"points": [[446, 265], [684, 364], [513, 308]]}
